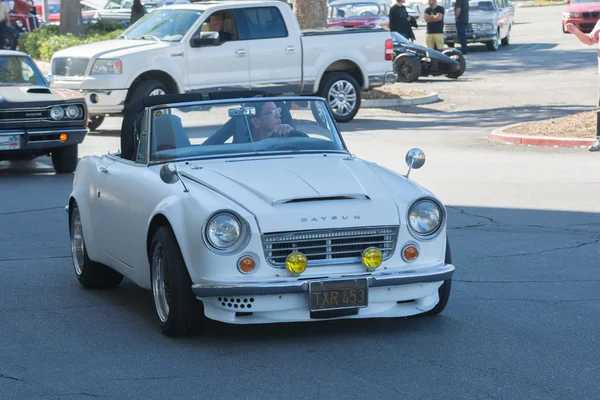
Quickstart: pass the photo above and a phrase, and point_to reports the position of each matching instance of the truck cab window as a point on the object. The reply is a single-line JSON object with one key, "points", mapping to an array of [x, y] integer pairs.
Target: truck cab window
{"points": [[222, 22], [263, 23]]}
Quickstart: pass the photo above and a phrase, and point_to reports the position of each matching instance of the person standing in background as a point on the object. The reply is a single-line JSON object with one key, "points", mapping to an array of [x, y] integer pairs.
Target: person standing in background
{"points": [[4, 22], [434, 16], [461, 11], [400, 20], [137, 11]]}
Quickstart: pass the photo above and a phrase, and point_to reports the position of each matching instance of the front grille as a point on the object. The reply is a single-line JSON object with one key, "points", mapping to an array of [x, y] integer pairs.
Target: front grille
{"points": [[30, 114], [329, 246], [591, 15], [586, 28], [69, 66], [451, 29]]}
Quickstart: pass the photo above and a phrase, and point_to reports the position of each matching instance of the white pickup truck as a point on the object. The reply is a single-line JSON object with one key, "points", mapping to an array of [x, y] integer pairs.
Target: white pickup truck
{"points": [[220, 47]]}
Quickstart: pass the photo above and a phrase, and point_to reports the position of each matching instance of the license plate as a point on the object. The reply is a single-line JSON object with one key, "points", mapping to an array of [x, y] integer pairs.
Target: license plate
{"points": [[10, 142], [337, 295]]}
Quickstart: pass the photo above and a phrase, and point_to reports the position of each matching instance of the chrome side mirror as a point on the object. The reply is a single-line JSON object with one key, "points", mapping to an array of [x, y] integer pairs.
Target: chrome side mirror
{"points": [[415, 158], [169, 173]]}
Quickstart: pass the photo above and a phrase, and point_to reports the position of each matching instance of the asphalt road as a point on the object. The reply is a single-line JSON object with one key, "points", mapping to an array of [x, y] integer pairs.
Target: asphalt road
{"points": [[523, 317]]}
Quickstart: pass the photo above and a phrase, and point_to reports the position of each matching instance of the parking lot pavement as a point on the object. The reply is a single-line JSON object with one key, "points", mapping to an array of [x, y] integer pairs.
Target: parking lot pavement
{"points": [[521, 323]]}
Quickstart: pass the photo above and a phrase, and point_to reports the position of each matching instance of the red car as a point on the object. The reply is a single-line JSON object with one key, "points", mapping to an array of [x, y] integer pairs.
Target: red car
{"points": [[53, 11], [357, 13], [582, 13]]}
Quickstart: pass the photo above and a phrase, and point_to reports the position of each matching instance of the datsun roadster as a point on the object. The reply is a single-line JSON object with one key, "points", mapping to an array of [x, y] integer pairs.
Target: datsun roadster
{"points": [[252, 211]]}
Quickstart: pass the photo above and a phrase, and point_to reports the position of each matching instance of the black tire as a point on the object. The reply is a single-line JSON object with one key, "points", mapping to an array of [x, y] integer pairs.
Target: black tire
{"points": [[145, 88], [90, 274], [185, 312], [64, 159], [95, 121], [341, 80], [407, 67], [506, 41], [10, 40], [461, 61], [450, 44], [445, 289], [494, 44]]}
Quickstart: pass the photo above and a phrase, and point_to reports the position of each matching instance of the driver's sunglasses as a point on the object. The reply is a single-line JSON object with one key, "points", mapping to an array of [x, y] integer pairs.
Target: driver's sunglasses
{"points": [[275, 111]]}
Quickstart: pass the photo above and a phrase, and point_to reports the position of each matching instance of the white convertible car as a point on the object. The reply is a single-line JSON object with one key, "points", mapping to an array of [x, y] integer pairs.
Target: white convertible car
{"points": [[255, 211]]}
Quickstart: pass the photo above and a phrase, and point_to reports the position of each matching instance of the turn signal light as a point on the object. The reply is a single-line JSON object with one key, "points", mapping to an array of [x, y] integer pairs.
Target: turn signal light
{"points": [[389, 50], [372, 258], [410, 253], [246, 265], [63, 137], [296, 263]]}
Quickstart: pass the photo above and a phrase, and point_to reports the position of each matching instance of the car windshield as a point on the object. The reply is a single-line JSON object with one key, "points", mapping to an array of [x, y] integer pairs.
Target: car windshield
{"points": [[19, 70], [474, 6], [399, 38], [169, 25], [238, 128], [354, 10]]}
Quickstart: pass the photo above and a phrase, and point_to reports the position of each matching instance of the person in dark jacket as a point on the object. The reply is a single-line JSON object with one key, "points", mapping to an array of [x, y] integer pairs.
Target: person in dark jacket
{"points": [[400, 21], [137, 11]]}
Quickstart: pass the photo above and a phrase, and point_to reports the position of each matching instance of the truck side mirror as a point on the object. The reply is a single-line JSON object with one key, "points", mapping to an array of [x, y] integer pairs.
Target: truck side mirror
{"points": [[206, 39]]}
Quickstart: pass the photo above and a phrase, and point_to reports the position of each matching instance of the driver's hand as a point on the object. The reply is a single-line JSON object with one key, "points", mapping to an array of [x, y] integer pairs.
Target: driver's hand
{"points": [[281, 130]]}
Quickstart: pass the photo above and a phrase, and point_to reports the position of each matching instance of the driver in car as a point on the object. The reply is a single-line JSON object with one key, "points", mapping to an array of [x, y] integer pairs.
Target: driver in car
{"points": [[267, 122]]}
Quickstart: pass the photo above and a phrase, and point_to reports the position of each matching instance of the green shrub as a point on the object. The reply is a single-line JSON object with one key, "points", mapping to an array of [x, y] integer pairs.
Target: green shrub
{"points": [[42, 43]]}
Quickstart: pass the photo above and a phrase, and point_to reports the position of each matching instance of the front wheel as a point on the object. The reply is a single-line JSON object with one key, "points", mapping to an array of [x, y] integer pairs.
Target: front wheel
{"points": [[506, 40], [461, 61], [64, 159], [342, 92], [494, 44], [178, 310], [95, 121], [90, 274], [147, 88], [408, 68]]}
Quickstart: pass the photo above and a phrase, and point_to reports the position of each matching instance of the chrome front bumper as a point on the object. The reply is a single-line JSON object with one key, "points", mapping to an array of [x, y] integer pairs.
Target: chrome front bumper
{"points": [[102, 102], [214, 289]]}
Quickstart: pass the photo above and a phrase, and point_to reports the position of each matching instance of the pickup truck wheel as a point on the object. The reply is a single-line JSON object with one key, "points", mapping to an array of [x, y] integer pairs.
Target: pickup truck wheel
{"points": [[178, 310], [147, 88], [408, 68], [90, 274], [343, 95], [95, 121], [64, 159], [494, 44], [444, 290]]}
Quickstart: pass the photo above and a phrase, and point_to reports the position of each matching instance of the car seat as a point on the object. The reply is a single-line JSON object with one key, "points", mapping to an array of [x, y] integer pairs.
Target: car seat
{"points": [[168, 133]]}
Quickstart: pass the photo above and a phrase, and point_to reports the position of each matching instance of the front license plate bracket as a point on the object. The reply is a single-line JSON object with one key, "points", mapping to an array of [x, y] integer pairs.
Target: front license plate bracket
{"points": [[338, 295]]}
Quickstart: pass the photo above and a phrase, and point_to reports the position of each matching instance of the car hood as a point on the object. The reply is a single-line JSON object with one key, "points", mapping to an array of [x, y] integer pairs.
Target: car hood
{"points": [[307, 192], [34, 96], [583, 7], [104, 48], [475, 17]]}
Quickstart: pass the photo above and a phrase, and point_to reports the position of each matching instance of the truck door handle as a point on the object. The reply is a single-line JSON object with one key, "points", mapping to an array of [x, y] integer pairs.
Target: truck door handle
{"points": [[290, 49], [241, 53]]}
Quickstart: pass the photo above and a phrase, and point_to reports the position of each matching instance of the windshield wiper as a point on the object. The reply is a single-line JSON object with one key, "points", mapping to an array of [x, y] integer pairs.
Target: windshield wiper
{"points": [[146, 37]]}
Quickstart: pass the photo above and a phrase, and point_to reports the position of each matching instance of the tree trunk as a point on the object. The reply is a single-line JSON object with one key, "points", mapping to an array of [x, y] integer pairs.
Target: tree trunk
{"points": [[311, 14], [70, 17]]}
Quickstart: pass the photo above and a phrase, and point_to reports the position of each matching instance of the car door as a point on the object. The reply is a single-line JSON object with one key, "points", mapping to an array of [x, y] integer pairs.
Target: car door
{"points": [[222, 66], [275, 61]]}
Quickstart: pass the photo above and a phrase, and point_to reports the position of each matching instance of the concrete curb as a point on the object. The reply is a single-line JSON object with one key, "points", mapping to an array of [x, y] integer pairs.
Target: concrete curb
{"points": [[379, 103], [498, 136]]}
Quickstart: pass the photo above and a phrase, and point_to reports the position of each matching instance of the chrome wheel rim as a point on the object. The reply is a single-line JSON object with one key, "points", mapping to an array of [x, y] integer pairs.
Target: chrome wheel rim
{"points": [[77, 245], [496, 40], [157, 92], [342, 97], [160, 283]]}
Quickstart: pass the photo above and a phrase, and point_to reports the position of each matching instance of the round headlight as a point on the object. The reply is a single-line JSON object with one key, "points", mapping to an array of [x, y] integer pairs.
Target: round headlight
{"points": [[425, 217], [223, 231], [57, 113], [73, 112]]}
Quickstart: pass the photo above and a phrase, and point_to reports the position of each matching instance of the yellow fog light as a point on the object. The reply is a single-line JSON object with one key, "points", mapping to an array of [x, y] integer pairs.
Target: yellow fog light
{"points": [[372, 258], [296, 262]]}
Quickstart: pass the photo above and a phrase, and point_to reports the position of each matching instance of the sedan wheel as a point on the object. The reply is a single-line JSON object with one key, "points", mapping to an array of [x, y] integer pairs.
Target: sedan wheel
{"points": [[494, 44], [159, 283]]}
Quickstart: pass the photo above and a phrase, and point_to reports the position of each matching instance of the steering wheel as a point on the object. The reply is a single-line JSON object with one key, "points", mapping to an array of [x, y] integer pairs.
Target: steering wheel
{"points": [[295, 133], [366, 13]]}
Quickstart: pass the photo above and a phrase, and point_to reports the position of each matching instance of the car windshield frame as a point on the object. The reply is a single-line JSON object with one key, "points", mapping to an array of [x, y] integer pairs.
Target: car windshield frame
{"points": [[23, 59], [402, 40], [163, 15], [337, 138]]}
